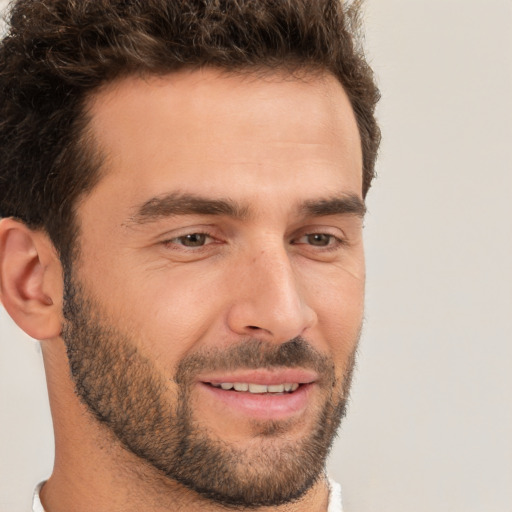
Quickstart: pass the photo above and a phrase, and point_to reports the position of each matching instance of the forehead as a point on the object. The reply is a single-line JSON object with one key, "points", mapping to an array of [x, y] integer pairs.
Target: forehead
{"points": [[222, 132]]}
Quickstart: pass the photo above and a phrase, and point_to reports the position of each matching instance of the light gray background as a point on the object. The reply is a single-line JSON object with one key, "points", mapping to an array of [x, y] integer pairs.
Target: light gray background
{"points": [[430, 422]]}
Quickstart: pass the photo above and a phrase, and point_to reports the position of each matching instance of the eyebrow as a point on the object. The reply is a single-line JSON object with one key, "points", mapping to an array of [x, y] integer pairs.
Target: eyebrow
{"points": [[346, 204], [174, 204]]}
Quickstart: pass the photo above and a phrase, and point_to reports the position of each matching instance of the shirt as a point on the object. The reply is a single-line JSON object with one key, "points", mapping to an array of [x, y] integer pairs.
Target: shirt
{"points": [[334, 498]]}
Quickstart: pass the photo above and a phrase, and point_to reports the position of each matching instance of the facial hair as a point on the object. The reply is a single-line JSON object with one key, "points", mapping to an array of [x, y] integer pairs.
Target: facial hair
{"points": [[126, 392]]}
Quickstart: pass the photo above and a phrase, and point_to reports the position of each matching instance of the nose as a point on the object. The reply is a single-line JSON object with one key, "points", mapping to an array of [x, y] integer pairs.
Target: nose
{"points": [[268, 299]]}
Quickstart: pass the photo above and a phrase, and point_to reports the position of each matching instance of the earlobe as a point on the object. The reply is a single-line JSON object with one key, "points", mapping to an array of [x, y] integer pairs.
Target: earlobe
{"points": [[30, 279]]}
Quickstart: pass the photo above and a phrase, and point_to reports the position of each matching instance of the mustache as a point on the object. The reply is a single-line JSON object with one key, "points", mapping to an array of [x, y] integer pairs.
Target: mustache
{"points": [[253, 354]]}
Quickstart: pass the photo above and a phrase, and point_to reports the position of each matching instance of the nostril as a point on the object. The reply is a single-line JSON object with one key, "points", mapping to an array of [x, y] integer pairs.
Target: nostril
{"points": [[252, 327]]}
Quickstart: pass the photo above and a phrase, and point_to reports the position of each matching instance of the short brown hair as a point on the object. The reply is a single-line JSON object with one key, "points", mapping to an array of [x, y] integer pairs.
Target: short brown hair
{"points": [[56, 52]]}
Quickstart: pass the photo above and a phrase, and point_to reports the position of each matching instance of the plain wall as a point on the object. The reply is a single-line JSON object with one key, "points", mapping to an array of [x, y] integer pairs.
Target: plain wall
{"points": [[429, 426]]}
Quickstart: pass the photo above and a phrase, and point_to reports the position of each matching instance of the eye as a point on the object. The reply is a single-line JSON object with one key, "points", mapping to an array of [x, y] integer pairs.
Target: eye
{"points": [[191, 240], [318, 240]]}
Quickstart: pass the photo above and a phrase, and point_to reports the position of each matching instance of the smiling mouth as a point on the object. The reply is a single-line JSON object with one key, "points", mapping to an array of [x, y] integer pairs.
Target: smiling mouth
{"points": [[257, 389], [261, 396]]}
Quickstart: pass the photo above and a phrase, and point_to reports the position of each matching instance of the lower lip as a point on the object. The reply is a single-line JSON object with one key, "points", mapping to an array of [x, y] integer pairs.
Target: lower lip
{"points": [[263, 406]]}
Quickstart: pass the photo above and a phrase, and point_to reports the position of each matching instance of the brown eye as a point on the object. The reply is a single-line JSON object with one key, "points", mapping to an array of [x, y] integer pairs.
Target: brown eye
{"points": [[192, 240], [319, 239]]}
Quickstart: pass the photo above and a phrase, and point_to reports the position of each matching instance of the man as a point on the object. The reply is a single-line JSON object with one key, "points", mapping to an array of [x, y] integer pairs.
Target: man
{"points": [[182, 189]]}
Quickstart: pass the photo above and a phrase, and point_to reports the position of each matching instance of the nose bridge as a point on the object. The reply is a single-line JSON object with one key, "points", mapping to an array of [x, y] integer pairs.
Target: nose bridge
{"points": [[270, 302]]}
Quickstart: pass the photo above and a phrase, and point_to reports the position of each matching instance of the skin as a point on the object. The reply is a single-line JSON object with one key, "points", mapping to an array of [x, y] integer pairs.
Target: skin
{"points": [[270, 144]]}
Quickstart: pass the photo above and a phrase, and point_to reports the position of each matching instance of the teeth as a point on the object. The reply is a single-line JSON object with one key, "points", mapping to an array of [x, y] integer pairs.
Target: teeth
{"points": [[258, 388]]}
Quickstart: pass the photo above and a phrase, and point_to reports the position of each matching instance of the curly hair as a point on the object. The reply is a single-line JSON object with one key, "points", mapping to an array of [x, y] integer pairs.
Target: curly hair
{"points": [[57, 52]]}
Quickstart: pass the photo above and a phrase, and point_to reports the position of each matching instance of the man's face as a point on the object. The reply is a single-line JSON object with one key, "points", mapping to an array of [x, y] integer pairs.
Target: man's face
{"points": [[214, 311]]}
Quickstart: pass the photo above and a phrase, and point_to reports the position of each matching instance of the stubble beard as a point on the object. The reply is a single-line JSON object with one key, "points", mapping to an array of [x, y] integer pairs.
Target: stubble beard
{"points": [[125, 392]]}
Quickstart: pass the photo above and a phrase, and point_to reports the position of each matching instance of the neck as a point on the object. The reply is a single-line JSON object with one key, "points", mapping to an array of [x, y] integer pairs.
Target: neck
{"points": [[63, 493]]}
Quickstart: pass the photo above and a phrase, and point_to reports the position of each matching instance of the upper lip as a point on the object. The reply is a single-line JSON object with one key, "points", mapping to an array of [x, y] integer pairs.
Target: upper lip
{"points": [[261, 376]]}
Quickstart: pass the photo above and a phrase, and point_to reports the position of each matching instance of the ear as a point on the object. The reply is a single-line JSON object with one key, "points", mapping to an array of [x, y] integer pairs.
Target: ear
{"points": [[31, 283]]}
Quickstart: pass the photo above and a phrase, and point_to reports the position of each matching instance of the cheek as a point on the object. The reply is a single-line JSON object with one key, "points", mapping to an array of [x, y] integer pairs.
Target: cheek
{"points": [[340, 314], [174, 313]]}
